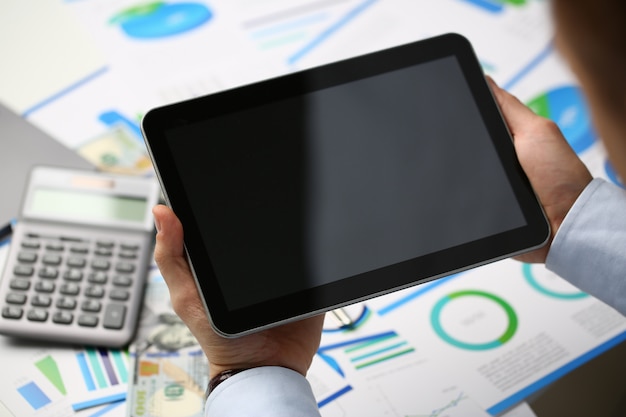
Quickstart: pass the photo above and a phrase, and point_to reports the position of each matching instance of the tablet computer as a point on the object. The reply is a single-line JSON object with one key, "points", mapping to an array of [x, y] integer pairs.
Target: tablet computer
{"points": [[310, 191]]}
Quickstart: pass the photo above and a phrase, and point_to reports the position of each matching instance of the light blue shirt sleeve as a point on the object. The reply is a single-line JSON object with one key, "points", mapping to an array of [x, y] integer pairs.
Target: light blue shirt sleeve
{"points": [[269, 391], [589, 249]]}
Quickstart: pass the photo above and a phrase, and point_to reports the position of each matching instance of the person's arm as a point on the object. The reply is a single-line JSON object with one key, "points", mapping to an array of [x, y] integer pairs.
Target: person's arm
{"points": [[588, 218], [276, 360], [556, 173], [589, 249]]}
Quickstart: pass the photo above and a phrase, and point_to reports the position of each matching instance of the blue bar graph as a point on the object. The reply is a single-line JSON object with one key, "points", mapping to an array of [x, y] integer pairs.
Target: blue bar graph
{"points": [[108, 366], [120, 364], [84, 369], [34, 395], [102, 368]]}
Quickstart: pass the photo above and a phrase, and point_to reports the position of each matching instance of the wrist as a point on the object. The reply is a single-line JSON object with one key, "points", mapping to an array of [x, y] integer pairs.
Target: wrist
{"points": [[221, 377], [215, 369]]}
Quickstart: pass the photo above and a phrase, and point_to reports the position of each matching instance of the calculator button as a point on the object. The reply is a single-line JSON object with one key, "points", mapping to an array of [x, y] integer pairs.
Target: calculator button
{"points": [[12, 313], [76, 262], [104, 252], [16, 298], [122, 280], [87, 320], [23, 270], [119, 295], [31, 244], [40, 300], [27, 257], [108, 268], [127, 254], [71, 239], [114, 316], [69, 288], [82, 249], [97, 278], [20, 284], [51, 259], [100, 264], [73, 275], [66, 303], [37, 315], [92, 306], [62, 317], [48, 272], [44, 286], [94, 292], [125, 268], [55, 246]]}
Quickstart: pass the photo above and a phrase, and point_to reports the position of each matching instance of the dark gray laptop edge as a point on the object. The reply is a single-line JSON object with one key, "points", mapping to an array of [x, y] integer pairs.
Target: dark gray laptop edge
{"points": [[23, 146]]}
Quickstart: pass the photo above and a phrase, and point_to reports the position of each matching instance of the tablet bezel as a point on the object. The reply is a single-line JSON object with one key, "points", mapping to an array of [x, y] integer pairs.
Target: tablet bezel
{"points": [[158, 122]]}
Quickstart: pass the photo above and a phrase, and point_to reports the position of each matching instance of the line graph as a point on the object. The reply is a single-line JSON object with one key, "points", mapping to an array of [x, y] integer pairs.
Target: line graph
{"points": [[438, 412]]}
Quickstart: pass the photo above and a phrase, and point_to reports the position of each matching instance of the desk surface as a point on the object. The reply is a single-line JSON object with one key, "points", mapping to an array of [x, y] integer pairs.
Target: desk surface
{"points": [[485, 340]]}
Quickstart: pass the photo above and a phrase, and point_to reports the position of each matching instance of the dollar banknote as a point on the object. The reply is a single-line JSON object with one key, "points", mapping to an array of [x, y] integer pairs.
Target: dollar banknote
{"points": [[118, 151], [169, 371]]}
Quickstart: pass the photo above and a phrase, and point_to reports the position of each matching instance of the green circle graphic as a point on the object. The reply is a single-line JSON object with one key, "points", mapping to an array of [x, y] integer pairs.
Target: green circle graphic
{"points": [[530, 278], [435, 319]]}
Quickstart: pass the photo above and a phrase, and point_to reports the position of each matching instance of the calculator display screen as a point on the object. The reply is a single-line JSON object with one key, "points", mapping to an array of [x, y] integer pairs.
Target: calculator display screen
{"points": [[81, 205]]}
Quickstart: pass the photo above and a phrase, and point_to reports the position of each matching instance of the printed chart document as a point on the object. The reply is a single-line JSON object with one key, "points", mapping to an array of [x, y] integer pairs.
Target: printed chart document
{"points": [[504, 330], [167, 51], [44, 381]]}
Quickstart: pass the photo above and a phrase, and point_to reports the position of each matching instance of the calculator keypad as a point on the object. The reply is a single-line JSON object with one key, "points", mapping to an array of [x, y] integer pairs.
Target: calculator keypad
{"points": [[72, 282]]}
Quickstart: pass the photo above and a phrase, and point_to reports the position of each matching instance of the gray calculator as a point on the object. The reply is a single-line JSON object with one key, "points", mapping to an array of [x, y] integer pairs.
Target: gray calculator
{"points": [[79, 257]]}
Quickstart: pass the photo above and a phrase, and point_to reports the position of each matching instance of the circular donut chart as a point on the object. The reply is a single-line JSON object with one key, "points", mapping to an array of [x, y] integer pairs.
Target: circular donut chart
{"points": [[436, 320], [566, 106], [160, 19], [546, 283]]}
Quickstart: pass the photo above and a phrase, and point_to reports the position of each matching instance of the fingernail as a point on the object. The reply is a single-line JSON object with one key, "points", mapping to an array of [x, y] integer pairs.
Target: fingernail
{"points": [[157, 224]]}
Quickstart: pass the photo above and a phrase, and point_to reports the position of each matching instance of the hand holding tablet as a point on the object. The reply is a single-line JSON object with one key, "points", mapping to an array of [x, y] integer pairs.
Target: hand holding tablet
{"points": [[307, 192]]}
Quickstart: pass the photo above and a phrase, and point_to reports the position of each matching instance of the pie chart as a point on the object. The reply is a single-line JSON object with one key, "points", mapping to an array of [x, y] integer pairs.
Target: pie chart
{"points": [[160, 19], [567, 108], [449, 316]]}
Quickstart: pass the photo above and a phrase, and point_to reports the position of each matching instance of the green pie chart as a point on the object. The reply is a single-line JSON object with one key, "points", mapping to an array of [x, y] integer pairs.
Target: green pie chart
{"points": [[500, 340], [566, 106]]}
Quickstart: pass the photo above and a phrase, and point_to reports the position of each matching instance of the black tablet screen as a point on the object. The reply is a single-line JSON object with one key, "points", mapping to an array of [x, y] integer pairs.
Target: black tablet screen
{"points": [[314, 188]]}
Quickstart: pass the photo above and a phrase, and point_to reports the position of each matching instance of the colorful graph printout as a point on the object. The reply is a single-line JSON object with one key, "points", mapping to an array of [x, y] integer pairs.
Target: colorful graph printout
{"points": [[568, 109], [161, 19]]}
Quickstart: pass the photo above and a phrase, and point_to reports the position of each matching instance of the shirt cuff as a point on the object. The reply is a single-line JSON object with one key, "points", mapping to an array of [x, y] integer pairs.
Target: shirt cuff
{"points": [[588, 250], [265, 391]]}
